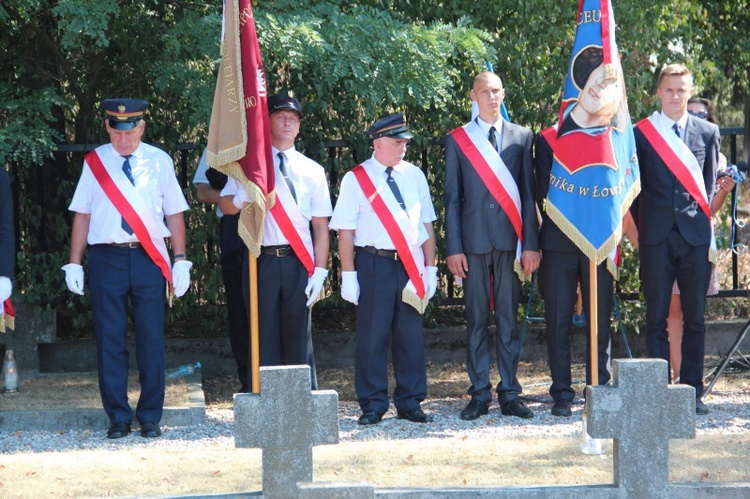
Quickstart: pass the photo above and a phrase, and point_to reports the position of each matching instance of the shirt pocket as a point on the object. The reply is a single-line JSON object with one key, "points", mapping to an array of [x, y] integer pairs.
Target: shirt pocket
{"points": [[303, 200]]}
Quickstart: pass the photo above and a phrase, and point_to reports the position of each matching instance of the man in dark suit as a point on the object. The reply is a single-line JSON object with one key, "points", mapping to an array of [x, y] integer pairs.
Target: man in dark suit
{"points": [[563, 266], [678, 154], [208, 184], [491, 235]]}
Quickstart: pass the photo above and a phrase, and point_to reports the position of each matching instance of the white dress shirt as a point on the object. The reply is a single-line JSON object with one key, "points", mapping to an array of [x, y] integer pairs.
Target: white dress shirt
{"points": [[156, 183], [354, 212]]}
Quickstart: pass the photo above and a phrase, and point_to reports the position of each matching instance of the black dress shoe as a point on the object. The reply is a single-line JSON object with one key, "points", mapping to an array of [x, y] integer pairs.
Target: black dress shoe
{"points": [[118, 430], [150, 430], [415, 415], [516, 408], [562, 408], [369, 417], [700, 408], [474, 409]]}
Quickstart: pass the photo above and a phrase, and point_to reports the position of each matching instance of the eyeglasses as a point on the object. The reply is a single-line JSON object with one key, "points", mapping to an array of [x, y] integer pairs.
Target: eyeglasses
{"points": [[699, 114]]}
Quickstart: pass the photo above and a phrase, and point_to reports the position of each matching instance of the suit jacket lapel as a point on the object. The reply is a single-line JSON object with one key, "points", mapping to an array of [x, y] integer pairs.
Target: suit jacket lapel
{"points": [[691, 132], [508, 138]]}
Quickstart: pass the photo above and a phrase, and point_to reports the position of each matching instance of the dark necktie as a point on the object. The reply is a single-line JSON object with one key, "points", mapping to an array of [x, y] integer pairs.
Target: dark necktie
{"points": [[285, 175], [491, 137], [394, 187], [127, 170], [676, 128]]}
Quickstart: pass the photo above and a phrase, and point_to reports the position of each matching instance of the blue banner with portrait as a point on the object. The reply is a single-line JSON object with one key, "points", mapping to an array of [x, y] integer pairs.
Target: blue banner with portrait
{"points": [[595, 174]]}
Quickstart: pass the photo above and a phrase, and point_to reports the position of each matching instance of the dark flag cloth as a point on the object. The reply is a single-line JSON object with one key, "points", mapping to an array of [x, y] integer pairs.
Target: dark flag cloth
{"points": [[239, 138], [595, 174], [7, 316]]}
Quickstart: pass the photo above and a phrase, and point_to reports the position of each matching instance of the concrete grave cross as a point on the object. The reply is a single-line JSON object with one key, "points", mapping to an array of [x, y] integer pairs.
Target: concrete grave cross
{"points": [[641, 412], [286, 420]]}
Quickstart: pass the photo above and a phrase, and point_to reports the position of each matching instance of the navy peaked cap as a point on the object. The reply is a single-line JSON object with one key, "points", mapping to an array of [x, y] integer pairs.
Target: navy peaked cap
{"points": [[284, 100], [124, 114], [393, 126]]}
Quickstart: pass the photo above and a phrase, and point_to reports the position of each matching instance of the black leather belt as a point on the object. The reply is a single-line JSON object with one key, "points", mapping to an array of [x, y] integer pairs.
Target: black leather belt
{"points": [[131, 245], [279, 251], [389, 254]]}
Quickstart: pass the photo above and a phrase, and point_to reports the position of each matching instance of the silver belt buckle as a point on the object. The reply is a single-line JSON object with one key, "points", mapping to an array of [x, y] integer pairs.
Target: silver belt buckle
{"points": [[133, 244]]}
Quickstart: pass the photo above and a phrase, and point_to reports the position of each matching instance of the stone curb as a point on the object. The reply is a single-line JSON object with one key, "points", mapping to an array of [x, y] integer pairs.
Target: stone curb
{"points": [[96, 419]]}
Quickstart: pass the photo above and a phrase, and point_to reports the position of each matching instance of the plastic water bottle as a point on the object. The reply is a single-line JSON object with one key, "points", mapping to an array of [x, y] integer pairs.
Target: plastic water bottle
{"points": [[10, 372], [179, 372]]}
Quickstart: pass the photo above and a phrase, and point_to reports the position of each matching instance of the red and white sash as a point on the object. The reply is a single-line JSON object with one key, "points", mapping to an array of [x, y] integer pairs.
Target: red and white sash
{"points": [[680, 160], [7, 316], [402, 231], [496, 177], [123, 195], [293, 225]]}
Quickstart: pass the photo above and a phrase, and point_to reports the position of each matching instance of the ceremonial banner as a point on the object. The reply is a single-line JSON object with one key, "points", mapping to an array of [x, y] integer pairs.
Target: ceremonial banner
{"points": [[239, 139], [595, 174]]}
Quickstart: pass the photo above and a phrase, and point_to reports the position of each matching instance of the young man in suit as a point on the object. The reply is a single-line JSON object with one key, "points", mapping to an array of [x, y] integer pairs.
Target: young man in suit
{"points": [[491, 238], [678, 154]]}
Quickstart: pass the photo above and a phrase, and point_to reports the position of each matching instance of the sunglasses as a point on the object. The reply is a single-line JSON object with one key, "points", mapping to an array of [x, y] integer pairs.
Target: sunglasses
{"points": [[699, 114]]}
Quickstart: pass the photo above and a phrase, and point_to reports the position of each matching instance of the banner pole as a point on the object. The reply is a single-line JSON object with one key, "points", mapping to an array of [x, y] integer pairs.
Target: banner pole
{"points": [[593, 324], [254, 325]]}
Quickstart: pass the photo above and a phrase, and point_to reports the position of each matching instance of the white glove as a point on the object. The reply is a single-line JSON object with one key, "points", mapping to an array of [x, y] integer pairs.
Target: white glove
{"points": [[6, 288], [315, 285], [431, 281], [74, 278], [181, 277], [240, 198], [350, 287]]}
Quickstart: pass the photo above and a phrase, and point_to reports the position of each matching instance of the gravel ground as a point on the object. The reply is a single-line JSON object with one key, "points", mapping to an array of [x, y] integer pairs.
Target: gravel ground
{"points": [[730, 415]]}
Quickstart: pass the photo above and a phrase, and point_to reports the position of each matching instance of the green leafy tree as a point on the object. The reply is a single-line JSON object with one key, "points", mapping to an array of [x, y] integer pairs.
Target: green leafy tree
{"points": [[349, 62]]}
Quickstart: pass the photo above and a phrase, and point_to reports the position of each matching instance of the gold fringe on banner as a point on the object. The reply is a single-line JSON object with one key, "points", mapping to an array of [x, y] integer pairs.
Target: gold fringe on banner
{"points": [[227, 131], [597, 255]]}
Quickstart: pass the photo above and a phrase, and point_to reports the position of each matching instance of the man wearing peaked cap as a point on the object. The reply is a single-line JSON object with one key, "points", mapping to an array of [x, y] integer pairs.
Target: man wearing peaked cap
{"points": [[393, 126], [384, 218], [293, 261], [284, 100], [124, 114], [126, 203]]}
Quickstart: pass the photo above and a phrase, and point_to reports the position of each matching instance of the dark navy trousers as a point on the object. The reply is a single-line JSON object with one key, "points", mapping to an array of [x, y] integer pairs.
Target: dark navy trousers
{"points": [[117, 275], [383, 316], [233, 254], [285, 333], [660, 265], [559, 274], [505, 291]]}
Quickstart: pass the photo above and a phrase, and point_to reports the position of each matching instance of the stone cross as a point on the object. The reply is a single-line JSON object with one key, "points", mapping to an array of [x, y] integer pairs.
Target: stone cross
{"points": [[641, 412], [286, 420]]}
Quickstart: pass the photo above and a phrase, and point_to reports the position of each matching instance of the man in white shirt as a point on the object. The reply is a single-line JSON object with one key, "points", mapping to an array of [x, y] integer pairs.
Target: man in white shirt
{"points": [[290, 276], [384, 210], [126, 192]]}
